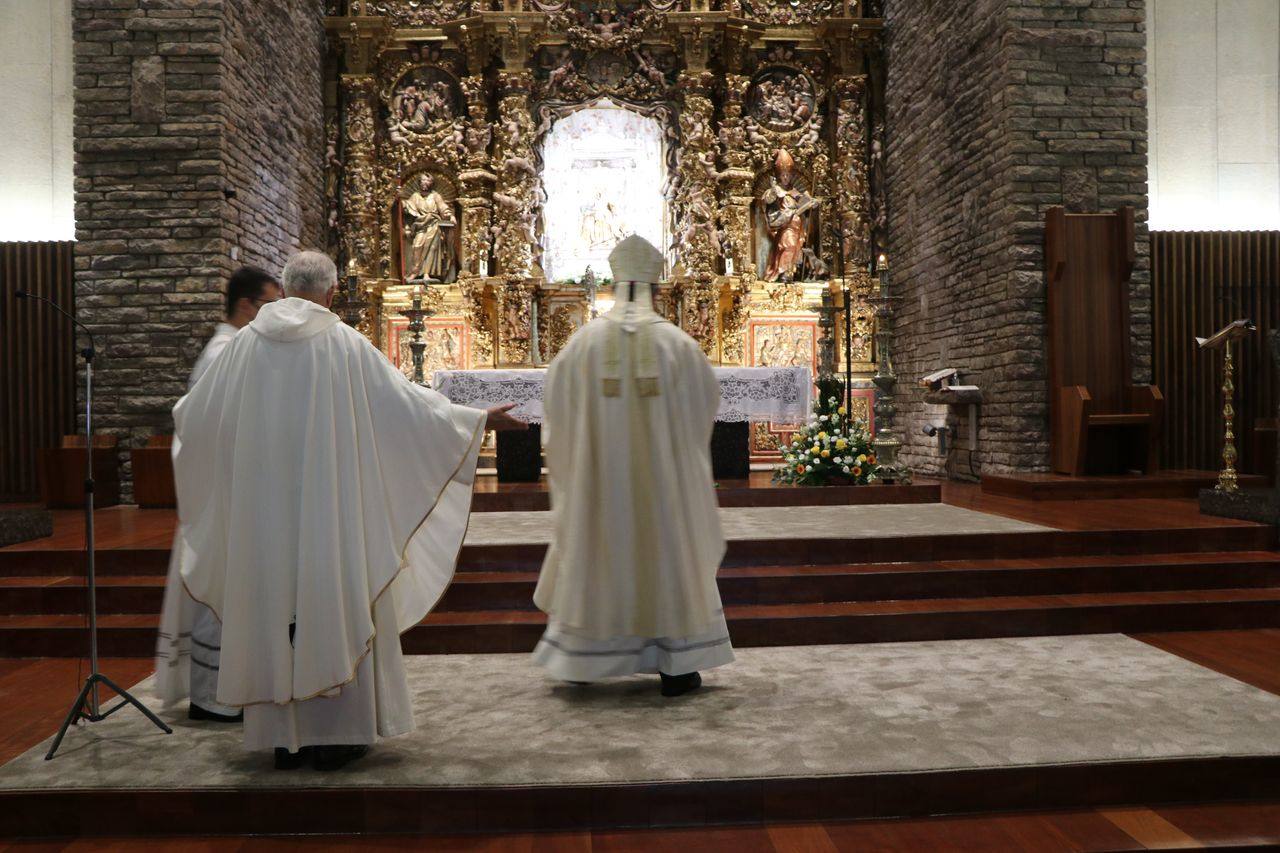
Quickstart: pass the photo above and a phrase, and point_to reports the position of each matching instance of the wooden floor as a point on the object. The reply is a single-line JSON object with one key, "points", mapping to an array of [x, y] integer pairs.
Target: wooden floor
{"points": [[1091, 830], [127, 527], [35, 693]]}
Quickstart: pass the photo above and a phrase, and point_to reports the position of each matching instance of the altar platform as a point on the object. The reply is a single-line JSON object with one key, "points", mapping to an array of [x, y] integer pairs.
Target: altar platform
{"points": [[755, 490], [894, 659], [1162, 484], [782, 734]]}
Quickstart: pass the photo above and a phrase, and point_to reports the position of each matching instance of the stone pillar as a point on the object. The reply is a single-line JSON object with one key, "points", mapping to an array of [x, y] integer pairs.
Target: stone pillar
{"points": [[163, 194], [1043, 104]]}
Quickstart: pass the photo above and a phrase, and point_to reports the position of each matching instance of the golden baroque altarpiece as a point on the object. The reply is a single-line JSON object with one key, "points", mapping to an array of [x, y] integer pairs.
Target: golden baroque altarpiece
{"points": [[771, 115]]}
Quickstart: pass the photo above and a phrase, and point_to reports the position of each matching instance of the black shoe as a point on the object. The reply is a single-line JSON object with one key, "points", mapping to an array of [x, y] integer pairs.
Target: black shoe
{"points": [[336, 757], [195, 712], [286, 760], [678, 685]]}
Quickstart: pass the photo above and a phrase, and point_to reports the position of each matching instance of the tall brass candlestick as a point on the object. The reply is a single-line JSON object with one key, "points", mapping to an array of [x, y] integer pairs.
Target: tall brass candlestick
{"points": [[1227, 481], [1223, 340], [417, 346], [886, 444]]}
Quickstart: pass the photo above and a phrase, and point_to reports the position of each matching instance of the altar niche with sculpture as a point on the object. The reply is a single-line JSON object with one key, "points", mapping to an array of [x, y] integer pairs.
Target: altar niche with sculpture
{"points": [[484, 157]]}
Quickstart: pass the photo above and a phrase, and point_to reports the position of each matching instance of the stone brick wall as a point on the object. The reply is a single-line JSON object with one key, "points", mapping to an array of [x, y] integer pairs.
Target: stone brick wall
{"points": [[274, 146], [997, 110], [170, 101]]}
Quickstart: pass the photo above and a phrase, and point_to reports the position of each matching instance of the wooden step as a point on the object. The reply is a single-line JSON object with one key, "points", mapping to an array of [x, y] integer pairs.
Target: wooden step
{"points": [[346, 809], [764, 552], [766, 584], [734, 493], [937, 546], [447, 632], [1161, 485]]}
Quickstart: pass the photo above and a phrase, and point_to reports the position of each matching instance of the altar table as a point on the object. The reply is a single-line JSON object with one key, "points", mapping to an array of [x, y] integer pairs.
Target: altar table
{"points": [[777, 394]]}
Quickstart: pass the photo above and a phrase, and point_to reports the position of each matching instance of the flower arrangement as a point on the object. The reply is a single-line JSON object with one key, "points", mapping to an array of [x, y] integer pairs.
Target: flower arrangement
{"points": [[832, 449]]}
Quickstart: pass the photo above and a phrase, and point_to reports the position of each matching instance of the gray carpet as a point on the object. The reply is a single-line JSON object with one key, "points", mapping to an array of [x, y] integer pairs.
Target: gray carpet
{"points": [[796, 522], [776, 712]]}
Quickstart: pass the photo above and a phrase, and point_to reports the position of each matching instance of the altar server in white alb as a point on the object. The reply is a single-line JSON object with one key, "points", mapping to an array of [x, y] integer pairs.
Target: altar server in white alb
{"points": [[322, 501], [629, 582], [188, 650]]}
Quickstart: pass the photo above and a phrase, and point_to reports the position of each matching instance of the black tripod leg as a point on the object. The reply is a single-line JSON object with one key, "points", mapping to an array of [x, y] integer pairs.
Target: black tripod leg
{"points": [[72, 716], [128, 697]]}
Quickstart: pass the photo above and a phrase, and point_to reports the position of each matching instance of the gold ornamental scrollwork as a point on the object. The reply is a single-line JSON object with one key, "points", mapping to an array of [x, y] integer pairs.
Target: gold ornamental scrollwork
{"points": [[465, 91], [516, 196], [359, 177]]}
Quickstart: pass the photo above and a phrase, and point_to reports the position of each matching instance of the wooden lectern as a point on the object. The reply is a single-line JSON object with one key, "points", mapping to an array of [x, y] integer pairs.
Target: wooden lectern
{"points": [[153, 473], [1099, 421], [62, 472]]}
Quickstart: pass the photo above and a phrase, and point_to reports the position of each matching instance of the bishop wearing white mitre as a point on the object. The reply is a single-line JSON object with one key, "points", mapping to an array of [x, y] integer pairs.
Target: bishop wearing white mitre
{"points": [[190, 637], [322, 501], [629, 582]]}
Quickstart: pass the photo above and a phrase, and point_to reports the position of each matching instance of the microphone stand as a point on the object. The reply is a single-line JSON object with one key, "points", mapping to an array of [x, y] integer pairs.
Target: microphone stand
{"points": [[87, 705]]}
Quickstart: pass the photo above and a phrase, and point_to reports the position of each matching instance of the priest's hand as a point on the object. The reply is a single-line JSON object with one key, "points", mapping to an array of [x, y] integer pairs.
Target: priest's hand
{"points": [[503, 422]]}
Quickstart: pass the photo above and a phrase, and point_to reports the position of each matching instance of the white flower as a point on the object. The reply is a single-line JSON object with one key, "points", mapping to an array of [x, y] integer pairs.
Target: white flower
{"points": [[823, 418], [846, 469]]}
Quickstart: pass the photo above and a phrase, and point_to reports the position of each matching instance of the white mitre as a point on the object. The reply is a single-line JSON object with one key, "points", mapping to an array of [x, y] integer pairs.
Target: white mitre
{"points": [[637, 265]]}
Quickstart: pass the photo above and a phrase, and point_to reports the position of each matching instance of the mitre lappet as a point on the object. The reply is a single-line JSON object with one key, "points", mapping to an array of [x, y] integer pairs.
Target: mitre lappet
{"points": [[637, 267]]}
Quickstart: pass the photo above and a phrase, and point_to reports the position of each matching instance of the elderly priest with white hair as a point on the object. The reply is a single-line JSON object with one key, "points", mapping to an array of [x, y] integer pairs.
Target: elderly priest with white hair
{"points": [[322, 500], [629, 582]]}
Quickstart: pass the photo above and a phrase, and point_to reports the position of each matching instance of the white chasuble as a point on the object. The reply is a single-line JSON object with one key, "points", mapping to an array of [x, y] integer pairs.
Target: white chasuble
{"points": [[322, 501], [190, 638], [629, 581]]}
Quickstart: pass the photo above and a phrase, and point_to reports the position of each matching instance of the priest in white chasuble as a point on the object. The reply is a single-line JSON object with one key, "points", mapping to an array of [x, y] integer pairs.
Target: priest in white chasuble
{"points": [[322, 501], [190, 637], [629, 582]]}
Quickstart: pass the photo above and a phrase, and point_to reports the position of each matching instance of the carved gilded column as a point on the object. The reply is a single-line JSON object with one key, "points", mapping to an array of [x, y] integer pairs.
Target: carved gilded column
{"points": [[479, 315], [359, 225], [512, 162], [737, 192], [477, 181], [514, 214], [853, 198], [695, 207], [736, 179]]}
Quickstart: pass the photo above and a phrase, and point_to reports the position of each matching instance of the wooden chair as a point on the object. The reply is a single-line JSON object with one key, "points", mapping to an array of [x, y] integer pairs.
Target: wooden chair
{"points": [[1100, 422], [153, 473], [62, 473]]}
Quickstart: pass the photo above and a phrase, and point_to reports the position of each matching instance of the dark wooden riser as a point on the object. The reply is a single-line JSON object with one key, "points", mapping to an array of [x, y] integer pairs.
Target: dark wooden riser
{"points": [[738, 494], [800, 624], [309, 811], [773, 585], [766, 552]]}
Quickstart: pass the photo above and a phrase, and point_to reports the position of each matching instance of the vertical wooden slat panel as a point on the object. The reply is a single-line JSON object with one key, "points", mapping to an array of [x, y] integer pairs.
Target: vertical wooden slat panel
{"points": [[37, 373], [1200, 282]]}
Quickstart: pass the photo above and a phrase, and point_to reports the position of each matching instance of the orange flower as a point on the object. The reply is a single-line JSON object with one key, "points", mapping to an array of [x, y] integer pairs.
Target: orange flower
{"points": [[799, 469], [857, 472], [871, 459]]}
